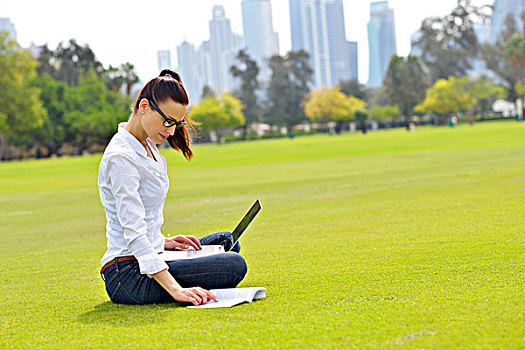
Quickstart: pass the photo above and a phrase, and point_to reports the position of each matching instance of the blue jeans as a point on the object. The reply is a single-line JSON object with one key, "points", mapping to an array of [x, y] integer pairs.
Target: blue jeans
{"points": [[126, 285]]}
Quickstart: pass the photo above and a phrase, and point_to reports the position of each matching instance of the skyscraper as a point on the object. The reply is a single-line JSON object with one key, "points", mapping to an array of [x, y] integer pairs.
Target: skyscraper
{"points": [[318, 27], [260, 39], [209, 64], [502, 8], [224, 46], [381, 41], [8, 26], [189, 70], [163, 59]]}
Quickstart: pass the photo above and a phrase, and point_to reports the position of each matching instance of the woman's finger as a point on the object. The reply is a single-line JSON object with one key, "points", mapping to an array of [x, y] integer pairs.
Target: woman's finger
{"points": [[196, 296], [187, 240], [211, 296], [195, 240]]}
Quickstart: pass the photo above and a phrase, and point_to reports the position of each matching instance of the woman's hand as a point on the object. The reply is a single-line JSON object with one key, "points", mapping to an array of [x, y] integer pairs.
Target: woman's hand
{"points": [[182, 242], [194, 295]]}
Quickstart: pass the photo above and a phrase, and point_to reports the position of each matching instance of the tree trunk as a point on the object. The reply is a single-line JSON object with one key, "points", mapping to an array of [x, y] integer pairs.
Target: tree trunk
{"points": [[338, 126], [220, 138], [244, 132], [4, 149], [363, 127], [407, 123]]}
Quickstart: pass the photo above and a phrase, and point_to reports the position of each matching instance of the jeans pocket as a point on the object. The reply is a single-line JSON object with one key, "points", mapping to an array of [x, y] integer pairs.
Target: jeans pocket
{"points": [[121, 296]]}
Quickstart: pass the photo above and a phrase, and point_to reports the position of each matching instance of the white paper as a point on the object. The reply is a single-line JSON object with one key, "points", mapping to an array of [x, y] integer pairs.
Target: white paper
{"points": [[229, 297], [191, 253]]}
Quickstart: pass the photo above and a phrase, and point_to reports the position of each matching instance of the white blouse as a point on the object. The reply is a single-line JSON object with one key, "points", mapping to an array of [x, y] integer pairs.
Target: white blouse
{"points": [[133, 189]]}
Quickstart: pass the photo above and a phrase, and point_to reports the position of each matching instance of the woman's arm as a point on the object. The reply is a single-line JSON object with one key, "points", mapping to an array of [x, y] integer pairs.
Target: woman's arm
{"points": [[194, 295]]}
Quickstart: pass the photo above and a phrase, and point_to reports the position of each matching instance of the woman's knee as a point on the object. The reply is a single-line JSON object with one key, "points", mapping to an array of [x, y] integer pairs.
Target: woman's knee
{"points": [[233, 263], [240, 264]]}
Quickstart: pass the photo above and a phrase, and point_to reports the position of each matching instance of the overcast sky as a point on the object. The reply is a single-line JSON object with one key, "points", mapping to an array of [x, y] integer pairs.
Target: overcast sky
{"points": [[119, 31]]}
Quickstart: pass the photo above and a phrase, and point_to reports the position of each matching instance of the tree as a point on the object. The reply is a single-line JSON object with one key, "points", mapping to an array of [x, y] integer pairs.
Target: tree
{"points": [[486, 93], [21, 110], [448, 44], [289, 84], [446, 97], [330, 104], [129, 75], [353, 88], [506, 58], [54, 131], [70, 62], [113, 78], [207, 91], [93, 112], [405, 84], [248, 73], [385, 113], [362, 117], [217, 114]]}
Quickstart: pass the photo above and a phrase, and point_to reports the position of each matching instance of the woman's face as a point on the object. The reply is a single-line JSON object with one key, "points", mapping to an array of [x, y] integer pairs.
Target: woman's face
{"points": [[153, 122]]}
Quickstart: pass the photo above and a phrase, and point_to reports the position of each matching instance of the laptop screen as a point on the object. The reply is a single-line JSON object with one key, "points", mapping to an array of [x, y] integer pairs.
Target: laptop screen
{"points": [[246, 220]]}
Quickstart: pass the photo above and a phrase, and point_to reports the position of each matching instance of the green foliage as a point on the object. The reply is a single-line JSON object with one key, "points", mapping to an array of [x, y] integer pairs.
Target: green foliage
{"points": [[448, 96], [506, 57], [53, 94], [362, 117], [520, 88], [70, 62], [82, 115], [218, 113], [94, 112], [485, 92], [67, 102], [353, 88], [20, 107], [425, 234], [291, 76], [330, 104], [388, 112]]}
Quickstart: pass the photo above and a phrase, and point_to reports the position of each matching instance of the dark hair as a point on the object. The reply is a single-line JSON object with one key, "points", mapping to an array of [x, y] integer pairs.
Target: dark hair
{"points": [[168, 86]]}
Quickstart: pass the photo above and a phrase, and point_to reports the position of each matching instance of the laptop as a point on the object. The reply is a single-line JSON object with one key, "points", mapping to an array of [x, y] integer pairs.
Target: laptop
{"points": [[191, 253]]}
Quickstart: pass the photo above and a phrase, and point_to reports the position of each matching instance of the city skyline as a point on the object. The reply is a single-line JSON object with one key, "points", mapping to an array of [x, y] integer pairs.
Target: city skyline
{"points": [[138, 39], [318, 27]]}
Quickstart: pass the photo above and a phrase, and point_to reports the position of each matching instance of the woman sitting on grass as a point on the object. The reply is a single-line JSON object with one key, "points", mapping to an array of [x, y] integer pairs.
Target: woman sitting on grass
{"points": [[133, 184]]}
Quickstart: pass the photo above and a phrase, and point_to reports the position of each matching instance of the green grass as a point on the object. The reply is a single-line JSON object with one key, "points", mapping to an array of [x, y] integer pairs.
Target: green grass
{"points": [[387, 240]]}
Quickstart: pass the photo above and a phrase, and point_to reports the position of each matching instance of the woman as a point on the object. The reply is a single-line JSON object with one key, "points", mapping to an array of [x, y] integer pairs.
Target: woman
{"points": [[133, 184]]}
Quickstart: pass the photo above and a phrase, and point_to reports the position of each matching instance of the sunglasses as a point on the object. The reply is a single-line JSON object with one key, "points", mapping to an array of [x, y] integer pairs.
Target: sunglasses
{"points": [[168, 122]]}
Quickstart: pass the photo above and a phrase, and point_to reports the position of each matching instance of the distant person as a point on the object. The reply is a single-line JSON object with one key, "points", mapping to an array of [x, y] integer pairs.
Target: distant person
{"points": [[133, 184]]}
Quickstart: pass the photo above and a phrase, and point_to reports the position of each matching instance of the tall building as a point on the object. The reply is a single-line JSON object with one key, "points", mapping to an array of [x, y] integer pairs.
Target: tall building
{"points": [[260, 39], [189, 70], [381, 41], [224, 46], [209, 64], [8, 26], [163, 59], [318, 27], [502, 8], [352, 45]]}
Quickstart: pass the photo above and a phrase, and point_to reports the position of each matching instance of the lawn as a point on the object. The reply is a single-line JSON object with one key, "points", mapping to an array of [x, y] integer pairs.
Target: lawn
{"points": [[388, 240]]}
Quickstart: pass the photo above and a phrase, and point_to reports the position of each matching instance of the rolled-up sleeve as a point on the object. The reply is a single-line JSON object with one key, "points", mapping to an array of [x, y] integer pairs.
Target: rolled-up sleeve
{"points": [[124, 178]]}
